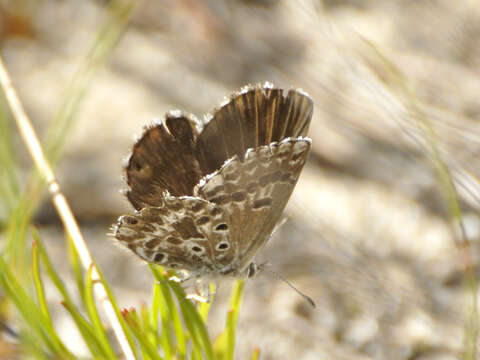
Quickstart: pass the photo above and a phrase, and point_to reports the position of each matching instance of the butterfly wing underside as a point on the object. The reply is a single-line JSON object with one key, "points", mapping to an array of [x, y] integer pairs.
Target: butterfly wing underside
{"points": [[163, 159], [253, 194], [208, 194], [255, 116], [181, 233]]}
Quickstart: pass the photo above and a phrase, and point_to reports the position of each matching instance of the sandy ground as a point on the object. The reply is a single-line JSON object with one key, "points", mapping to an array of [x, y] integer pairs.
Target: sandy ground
{"points": [[369, 236]]}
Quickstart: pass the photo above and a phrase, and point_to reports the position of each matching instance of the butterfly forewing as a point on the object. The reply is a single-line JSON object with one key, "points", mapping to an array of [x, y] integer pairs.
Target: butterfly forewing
{"points": [[254, 117], [163, 159]]}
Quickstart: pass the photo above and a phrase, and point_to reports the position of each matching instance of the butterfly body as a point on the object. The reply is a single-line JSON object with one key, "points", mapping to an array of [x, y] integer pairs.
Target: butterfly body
{"points": [[208, 195]]}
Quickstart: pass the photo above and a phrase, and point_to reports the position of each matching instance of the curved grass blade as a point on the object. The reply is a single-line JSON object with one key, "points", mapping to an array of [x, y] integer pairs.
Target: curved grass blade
{"points": [[118, 314], [255, 355], [9, 190], [31, 313], [92, 312], [170, 312], [133, 320], [76, 266], [232, 318], [87, 332], [193, 322], [83, 326]]}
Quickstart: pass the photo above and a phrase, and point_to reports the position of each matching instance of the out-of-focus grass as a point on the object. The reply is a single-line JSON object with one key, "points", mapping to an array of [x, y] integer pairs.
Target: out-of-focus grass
{"points": [[117, 15], [171, 328], [398, 84]]}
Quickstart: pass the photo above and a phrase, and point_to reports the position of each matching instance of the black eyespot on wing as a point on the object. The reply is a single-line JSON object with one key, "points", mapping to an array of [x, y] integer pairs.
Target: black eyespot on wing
{"points": [[159, 257], [222, 246], [222, 227]]}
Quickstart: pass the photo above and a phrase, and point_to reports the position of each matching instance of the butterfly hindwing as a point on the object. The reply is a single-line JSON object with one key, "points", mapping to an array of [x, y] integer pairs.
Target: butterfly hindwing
{"points": [[183, 233], [253, 193]]}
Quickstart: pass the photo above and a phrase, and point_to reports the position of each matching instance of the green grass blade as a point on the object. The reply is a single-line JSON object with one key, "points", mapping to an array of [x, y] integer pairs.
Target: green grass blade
{"points": [[220, 346], [16, 251], [83, 326], [133, 320], [151, 331], [230, 335], [9, 190], [232, 317], [48, 325], [32, 315], [154, 313], [76, 266], [225, 343], [31, 347], [37, 281], [92, 312], [236, 297], [193, 322], [172, 311], [159, 310], [120, 318], [47, 263], [86, 331], [255, 355]]}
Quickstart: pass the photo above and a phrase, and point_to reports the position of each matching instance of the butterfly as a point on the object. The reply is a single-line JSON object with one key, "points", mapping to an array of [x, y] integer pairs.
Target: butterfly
{"points": [[208, 193]]}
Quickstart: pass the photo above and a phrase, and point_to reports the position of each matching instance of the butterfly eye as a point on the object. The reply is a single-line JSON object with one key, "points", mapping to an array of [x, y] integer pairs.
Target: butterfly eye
{"points": [[222, 246], [252, 270]]}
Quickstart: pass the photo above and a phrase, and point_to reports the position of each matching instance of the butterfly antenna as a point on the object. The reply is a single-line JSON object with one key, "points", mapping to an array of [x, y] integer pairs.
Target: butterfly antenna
{"points": [[280, 277]]}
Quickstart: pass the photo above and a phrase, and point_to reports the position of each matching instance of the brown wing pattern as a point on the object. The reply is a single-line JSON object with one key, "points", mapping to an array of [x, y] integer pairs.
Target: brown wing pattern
{"points": [[253, 117], [163, 159], [207, 199], [253, 193], [172, 156], [181, 233]]}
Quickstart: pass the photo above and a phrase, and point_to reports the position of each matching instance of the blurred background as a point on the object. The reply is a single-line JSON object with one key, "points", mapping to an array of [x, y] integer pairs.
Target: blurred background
{"points": [[370, 238]]}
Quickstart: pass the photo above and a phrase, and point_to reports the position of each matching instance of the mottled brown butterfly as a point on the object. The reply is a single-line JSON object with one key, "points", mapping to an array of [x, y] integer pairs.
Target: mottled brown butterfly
{"points": [[209, 193]]}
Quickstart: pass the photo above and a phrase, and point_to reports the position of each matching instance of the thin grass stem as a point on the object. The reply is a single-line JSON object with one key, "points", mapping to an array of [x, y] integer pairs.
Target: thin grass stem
{"points": [[60, 202]]}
